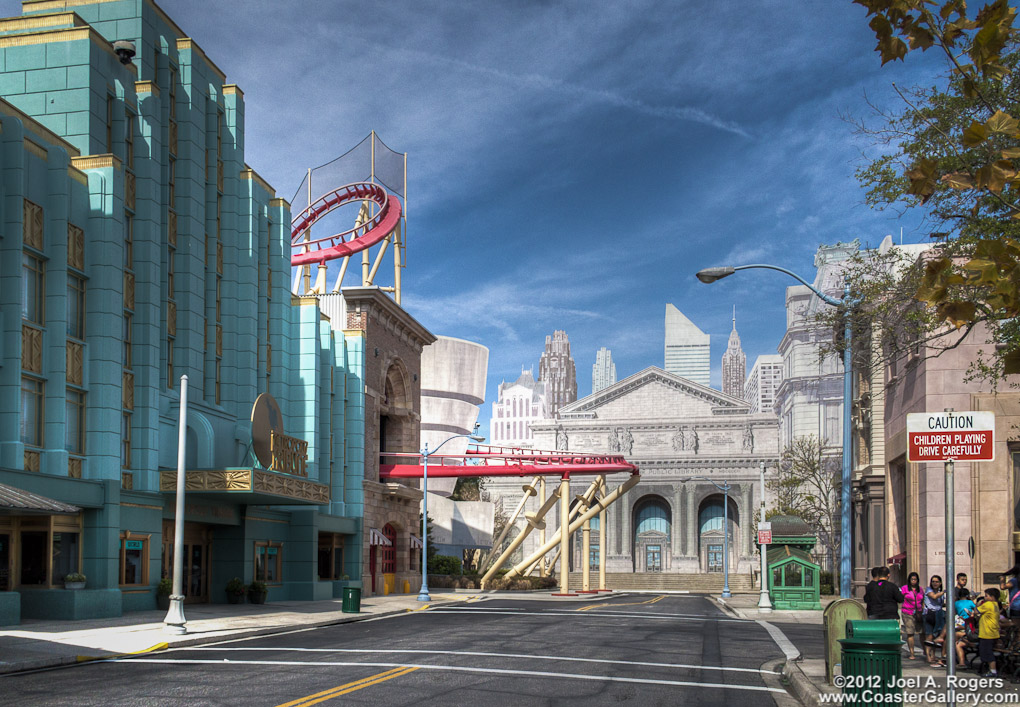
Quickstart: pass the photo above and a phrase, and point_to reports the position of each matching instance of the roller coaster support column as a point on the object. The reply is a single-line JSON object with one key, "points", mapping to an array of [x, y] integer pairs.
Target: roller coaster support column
{"points": [[564, 538], [585, 501], [541, 532], [529, 491], [603, 545], [588, 515], [585, 555], [535, 520]]}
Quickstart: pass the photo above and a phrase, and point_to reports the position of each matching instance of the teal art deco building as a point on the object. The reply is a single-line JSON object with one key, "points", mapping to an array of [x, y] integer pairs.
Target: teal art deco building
{"points": [[137, 246]]}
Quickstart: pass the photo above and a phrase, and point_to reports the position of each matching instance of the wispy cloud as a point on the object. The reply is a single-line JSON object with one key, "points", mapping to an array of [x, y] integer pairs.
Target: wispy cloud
{"points": [[597, 95]]}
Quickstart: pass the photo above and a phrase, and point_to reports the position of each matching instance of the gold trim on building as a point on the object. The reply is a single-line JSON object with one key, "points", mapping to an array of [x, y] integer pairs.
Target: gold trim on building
{"points": [[51, 36], [34, 148], [304, 300], [279, 203], [232, 89], [74, 467], [75, 361], [31, 460], [143, 87], [77, 175], [249, 173], [281, 485], [31, 348], [96, 162], [17, 24], [189, 44]]}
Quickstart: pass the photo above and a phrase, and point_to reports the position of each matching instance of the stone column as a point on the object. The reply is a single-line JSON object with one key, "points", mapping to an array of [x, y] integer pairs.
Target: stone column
{"points": [[690, 523], [627, 540], [676, 529], [747, 518]]}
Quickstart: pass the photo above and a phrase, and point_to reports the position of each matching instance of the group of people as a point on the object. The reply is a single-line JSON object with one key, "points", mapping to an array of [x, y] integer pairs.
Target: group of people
{"points": [[922, 612]]}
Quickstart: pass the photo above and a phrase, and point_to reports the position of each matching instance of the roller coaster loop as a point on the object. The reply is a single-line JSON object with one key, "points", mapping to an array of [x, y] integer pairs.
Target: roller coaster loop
{"points": [[348, 242]]}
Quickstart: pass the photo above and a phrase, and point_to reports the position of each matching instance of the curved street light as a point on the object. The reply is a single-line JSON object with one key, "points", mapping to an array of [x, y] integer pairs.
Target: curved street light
{"points": [[725, 488], [423, 594], [709, 275]]}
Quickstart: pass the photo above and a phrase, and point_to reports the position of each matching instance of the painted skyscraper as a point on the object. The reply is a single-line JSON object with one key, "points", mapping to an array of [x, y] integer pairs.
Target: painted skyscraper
{"points": [[687, 348], [603, 372], [763, 382], [556, 368], [734, 364]]}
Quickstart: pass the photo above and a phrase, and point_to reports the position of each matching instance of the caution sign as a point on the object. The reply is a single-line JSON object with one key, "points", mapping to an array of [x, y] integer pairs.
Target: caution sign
{"points": [[960, 436], [765, 533]]}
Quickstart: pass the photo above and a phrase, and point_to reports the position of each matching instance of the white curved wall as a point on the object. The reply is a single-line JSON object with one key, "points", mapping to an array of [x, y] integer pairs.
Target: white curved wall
{"points": [[453, 373]]}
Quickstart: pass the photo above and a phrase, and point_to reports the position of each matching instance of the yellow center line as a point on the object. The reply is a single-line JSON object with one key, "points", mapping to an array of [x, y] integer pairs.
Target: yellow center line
{"points": [[630, 603], [348, 688]]}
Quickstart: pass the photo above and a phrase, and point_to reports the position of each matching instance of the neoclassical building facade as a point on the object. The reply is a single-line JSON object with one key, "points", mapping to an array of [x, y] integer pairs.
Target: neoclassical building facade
{"points": [[676, 431]]}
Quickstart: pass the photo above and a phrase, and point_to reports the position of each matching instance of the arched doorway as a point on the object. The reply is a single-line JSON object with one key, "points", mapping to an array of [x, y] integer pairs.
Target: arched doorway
{"points": [[710, 533], [653, 520], [394, 413]]}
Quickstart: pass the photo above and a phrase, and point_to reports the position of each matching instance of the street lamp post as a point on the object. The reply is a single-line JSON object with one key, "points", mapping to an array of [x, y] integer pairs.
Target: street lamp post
{"points": [[709, 275], [423, 594], [725, 488], [764, 602]]}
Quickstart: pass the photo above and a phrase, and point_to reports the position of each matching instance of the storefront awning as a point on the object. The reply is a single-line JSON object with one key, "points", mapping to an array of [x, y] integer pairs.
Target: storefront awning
{"points": [[376, 537], [897, 559], [415, 542], [14, 501]]}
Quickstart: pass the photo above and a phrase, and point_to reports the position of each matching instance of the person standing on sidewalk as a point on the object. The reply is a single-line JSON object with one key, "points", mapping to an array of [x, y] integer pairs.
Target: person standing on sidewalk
{"points": [[935, 620], [913, 606], [882, 597], [988, 629]]}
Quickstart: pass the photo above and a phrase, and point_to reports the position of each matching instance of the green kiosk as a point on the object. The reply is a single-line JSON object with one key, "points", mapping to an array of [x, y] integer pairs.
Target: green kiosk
{"points": [[793, 577]]}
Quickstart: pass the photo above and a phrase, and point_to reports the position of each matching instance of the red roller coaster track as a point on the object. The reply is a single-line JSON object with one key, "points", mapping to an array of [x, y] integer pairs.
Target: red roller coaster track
{"points": [[497, 461], [348, 242]]}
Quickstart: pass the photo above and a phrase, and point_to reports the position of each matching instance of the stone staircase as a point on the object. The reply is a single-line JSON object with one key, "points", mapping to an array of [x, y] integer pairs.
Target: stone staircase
{"points": [[695, 583]]}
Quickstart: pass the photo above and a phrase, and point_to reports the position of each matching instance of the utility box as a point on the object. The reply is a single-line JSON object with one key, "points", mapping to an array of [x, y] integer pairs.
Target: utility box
{"points": [[834, 622]]}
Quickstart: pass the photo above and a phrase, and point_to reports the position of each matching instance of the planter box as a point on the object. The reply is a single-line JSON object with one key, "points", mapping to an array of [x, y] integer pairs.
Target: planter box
{"points": [[74, 585]]}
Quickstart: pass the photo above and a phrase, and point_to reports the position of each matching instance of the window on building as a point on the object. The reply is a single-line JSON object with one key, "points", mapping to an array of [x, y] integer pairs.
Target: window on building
{"points": [[109, 123], [170, 363], [389, 552], [125, 440], [128, 320], [129, 241], [75, 306], [32, 391], [32, 290], [65, 555], [134, 559], [74, 424], [129, 139], [833, 424], [268, 562]]}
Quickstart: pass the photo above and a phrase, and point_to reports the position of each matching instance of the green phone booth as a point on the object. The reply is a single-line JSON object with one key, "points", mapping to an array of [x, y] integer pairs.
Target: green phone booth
{"points": [[793, 579]]}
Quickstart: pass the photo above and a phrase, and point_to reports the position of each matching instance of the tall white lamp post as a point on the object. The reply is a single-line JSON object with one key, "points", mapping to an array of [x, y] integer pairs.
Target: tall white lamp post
{"points": [[709, 275], [174, 621], [423, 594], [764, 601]]}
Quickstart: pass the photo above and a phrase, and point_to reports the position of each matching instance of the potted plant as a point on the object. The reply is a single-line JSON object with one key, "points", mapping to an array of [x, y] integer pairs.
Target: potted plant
{"points": [[235, 591], [163, 590], [75, 580], [257, 592]]}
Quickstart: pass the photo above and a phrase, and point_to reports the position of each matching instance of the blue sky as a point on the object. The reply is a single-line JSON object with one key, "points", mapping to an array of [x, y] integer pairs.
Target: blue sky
{"points": [[573, 164]]}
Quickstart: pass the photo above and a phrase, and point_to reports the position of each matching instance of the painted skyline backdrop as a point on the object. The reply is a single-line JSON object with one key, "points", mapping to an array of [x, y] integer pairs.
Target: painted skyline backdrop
{"points": [[570, 169]]}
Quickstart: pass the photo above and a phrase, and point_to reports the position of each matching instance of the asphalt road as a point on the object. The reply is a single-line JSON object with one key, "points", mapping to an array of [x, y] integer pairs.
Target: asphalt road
{"points": [[645, 649]]}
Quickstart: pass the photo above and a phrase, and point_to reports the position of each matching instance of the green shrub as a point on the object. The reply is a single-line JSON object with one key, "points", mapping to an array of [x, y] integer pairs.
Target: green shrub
{"points": [[235, 586], [444, 564], [165, 587]]}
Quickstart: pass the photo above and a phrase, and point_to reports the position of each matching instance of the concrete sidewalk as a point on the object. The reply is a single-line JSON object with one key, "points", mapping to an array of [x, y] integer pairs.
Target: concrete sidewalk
{"points": [[43, 644], [806, 672]]}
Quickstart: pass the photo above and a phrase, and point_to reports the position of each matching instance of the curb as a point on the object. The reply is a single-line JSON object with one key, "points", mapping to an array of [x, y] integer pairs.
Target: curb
{"points": [[63, 661], [800, 686]]}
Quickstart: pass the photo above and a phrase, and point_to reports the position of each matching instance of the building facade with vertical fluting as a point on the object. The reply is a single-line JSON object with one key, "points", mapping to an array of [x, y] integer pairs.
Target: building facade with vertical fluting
{"points": [[557, 370], [688, 351], [136, 247], [603, 371], [734, 365]]}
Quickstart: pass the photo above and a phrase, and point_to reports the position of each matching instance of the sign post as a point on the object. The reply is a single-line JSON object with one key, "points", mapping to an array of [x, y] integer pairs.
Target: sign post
{"points": [[949, 437]]}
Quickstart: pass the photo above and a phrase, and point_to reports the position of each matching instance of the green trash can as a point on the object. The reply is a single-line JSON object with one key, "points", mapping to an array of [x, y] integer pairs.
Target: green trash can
{"points": [[351, 600], [872, 662]]}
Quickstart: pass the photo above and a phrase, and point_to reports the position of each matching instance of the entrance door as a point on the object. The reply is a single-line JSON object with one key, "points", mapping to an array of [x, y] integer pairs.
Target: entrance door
{"points": [[653, 558], [197, 542], [715, 557], [5, 562]]}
